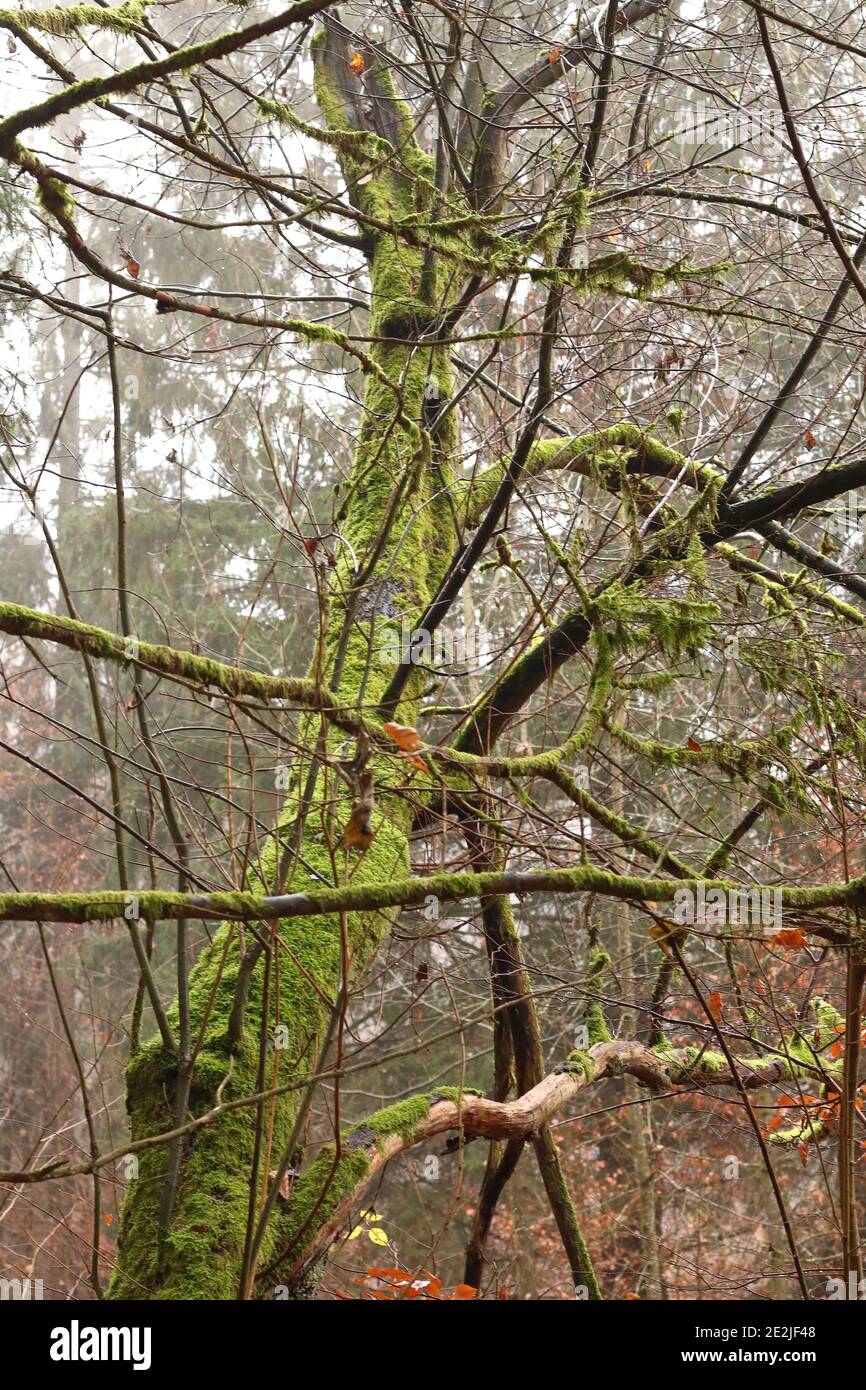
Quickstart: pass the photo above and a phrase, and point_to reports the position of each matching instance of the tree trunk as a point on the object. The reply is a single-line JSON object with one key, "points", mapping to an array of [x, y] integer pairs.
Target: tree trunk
{"points": [[398, 533]]}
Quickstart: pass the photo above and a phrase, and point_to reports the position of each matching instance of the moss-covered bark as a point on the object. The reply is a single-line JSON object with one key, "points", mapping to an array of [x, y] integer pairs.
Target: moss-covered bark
{"points": [[399, 535]]}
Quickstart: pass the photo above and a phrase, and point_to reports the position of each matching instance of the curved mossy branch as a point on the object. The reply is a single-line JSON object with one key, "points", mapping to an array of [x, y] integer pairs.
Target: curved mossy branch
{"points": [[801, 1057], [541, 764], [370, 1145], [605, 454], [487, 721], [602, 455], [206, 673]]}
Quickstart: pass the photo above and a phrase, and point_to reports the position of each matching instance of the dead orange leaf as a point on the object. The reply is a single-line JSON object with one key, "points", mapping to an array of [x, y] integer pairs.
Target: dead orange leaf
{"points": [[404, 736], [359, 832], [793, 939]]}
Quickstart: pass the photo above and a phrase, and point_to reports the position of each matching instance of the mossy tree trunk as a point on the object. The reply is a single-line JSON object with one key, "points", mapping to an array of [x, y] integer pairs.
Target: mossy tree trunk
{"points": [[397, 531]]}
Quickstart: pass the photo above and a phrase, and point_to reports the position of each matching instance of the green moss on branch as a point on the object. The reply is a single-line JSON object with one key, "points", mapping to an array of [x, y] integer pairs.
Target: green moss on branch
{"points": [[68, 19]]}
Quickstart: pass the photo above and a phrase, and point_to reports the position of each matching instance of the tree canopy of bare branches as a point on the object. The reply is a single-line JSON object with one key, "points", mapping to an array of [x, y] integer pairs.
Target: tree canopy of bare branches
{"points": [[433, 461]]}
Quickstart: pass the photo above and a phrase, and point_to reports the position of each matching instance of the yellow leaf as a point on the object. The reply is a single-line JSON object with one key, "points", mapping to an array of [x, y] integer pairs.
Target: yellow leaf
{"points": [[356, 64], [378, 1236]]}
